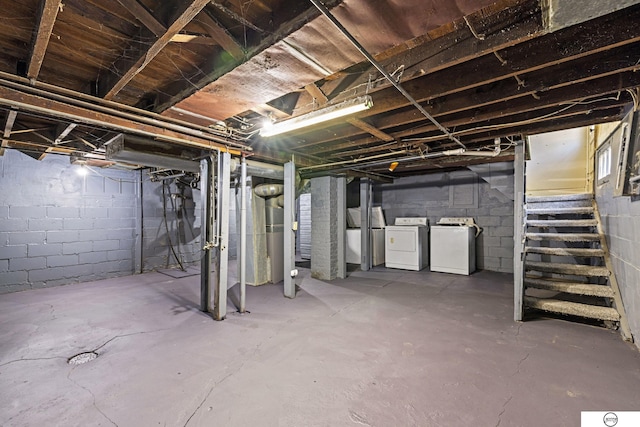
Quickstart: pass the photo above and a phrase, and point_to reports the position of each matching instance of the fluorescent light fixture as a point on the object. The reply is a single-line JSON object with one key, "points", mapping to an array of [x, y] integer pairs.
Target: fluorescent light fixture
{"points": [[345, 108]]}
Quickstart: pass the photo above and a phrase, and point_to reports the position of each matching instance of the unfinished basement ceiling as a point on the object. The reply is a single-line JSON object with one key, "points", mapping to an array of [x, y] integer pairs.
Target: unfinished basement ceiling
{"points": [[206, 74]]}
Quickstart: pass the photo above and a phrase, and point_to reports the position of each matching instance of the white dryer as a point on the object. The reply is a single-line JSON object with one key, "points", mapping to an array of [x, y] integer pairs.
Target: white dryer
{"points": [[407, 244]]}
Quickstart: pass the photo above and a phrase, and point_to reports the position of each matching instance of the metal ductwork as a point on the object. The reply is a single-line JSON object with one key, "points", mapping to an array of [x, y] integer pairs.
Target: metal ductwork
{"points": [[151, 153], [269, 190], [259, 169]]}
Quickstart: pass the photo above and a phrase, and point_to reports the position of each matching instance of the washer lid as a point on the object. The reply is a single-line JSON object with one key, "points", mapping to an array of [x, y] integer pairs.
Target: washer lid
{"points": [[412, 221], [468, 221]]}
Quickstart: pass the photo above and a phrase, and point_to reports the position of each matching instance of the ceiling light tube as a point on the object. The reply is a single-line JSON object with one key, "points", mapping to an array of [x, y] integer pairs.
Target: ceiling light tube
{"points": [[345, 108]]}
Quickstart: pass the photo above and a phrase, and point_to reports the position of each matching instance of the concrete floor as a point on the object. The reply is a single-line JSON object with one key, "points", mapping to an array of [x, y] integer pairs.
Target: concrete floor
{"points": [[381, 348]]}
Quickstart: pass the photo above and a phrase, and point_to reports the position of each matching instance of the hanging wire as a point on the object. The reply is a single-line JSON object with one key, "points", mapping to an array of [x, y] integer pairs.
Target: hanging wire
{"points": [[166, 225]]}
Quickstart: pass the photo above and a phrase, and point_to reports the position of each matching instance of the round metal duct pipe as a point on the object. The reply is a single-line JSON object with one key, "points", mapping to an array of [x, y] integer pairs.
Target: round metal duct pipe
{"points": [[259, 169], [269, 190]]}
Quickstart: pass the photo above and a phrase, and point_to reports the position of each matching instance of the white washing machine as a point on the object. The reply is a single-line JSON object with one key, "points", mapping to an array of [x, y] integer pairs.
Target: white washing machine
{"points": [[407, 244], [455, 239]]}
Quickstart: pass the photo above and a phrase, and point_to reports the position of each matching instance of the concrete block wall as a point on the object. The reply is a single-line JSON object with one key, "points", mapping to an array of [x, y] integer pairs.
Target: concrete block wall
{"points": [[621, 223], [58, 227], [324, 228], [460, 193]]}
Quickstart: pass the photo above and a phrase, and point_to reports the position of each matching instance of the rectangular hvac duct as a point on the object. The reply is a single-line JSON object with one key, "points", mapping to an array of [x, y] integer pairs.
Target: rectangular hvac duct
{"points": [[151, 153], [559, 14]]}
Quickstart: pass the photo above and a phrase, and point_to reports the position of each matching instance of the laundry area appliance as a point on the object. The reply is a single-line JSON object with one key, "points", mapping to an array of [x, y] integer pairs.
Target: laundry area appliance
{"points": [[455, 238], [354, 242], [407, 244]]}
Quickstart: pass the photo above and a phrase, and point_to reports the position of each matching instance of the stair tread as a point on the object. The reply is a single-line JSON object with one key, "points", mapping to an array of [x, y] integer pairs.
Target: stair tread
{"points": [[572, 308], [560, 211], [560, 198], [561, 222], [569, 287], [564, 237], [585, 252], [573, 269]]}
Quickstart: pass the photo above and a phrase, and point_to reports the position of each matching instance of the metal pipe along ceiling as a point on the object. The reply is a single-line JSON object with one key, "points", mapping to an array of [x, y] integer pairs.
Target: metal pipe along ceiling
{"points": [[375, 160], [384, 72], [96, 105]]}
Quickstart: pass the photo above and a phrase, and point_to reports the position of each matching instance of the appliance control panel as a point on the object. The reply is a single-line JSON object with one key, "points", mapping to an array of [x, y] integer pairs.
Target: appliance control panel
{"points": [[412, 221], [457, 221]]}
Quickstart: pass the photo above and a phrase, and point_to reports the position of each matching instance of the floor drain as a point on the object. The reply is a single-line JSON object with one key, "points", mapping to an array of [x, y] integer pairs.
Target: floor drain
{"points": [[81, 358]]}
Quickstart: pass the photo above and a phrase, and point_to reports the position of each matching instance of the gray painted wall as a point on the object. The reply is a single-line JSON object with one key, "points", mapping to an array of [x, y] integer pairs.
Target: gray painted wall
{"points": [[621, 223], [57, 227], [487, 196]]}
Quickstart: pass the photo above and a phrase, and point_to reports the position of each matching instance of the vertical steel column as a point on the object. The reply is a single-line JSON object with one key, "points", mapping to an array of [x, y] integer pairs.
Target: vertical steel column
{"points": [[139, 242], [342, 227], [222, 261], [290, 227], [243, 235], [365, 224], [207, 177], [518, 233]]}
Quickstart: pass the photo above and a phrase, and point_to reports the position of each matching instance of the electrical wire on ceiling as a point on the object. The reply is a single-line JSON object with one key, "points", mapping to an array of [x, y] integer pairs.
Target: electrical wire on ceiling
{"points": [[384, 72], [511, 124]]}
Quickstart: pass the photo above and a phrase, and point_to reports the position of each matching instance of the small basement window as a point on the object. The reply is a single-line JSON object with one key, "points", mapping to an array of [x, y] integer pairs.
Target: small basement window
{"points": [[604, 163]]}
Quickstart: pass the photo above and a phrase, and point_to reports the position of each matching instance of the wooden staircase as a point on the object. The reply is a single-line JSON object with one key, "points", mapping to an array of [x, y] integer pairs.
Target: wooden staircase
{"points": [[567, 269]]}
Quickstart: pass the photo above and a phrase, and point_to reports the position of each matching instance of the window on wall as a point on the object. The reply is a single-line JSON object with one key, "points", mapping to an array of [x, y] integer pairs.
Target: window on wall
{"points": [[604, 163]]}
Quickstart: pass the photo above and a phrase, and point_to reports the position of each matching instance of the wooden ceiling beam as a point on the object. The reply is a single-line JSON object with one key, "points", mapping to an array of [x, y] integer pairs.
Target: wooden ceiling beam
{"points": [[316, 93], [46, 19], [454, 90], [430, 136], [563, 46], [59, 110], [435, 164], [553, 99], [362, 125], [8, 127], [216, 66], [595, 117], [130, 64], [552, 87], [65, 131], [222, 36], [146, 18], [506, 24]]}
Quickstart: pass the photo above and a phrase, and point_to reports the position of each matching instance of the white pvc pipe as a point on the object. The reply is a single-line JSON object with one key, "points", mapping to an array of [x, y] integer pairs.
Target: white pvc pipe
{"points": [[243, 235]]}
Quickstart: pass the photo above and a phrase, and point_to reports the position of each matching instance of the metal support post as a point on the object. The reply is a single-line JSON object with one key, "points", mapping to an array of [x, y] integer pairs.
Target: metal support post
{"points": [[139, 242], [290, 227], [207, 199], [243, 235], [365, 224], [222, 260], [342, 227], [518, 234]]}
